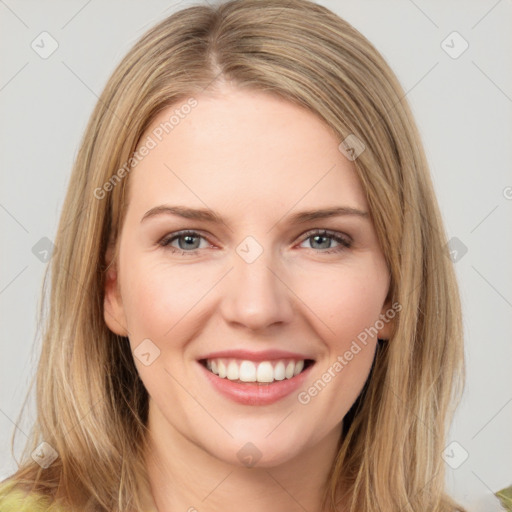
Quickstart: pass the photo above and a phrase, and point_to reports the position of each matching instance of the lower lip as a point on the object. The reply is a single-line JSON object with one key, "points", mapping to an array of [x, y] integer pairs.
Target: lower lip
{"points": [[253, 393]]}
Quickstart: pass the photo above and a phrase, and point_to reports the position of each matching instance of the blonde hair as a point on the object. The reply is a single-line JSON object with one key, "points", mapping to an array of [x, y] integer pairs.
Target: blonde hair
{"points": [[91, 404]]}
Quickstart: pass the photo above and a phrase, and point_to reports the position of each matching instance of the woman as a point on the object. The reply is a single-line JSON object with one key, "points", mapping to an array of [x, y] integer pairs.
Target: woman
{"points": [[256, 369]]}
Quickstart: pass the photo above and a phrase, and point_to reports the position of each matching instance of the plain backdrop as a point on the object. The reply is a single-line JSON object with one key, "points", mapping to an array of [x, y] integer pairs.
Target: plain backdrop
{"points": [[461, 98]]}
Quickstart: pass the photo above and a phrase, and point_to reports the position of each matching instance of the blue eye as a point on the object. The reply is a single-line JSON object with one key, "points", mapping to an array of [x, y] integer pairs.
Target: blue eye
{"points": [[188, 241], [344, 243]]}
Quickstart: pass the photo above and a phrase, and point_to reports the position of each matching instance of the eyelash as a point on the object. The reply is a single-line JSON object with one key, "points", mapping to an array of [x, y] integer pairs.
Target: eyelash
{"points": [[344, 243]]}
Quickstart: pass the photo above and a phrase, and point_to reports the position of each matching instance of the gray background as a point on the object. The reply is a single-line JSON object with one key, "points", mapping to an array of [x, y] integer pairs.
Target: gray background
{"points": [[462, 105]]}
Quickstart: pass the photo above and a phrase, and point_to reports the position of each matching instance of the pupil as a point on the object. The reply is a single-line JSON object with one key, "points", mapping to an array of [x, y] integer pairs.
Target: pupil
{"points": [[188, 239], [316, 237]]}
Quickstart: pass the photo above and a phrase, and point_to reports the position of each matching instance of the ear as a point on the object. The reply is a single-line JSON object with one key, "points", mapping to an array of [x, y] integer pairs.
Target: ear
{"points": [[388, 313], [113, 311]]}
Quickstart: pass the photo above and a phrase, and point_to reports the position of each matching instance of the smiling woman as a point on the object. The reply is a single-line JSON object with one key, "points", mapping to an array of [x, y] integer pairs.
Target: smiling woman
{"points": [[257, 312]]}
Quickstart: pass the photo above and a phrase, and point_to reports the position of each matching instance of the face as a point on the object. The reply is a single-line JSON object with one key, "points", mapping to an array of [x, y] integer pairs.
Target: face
{"points": [[254, 294]]}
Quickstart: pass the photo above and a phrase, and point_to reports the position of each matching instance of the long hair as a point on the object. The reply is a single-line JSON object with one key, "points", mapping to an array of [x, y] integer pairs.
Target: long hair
{"points": [[91, 404]]}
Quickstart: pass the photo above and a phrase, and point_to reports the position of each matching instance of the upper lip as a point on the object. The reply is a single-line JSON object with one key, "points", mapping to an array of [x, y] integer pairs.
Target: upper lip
{"points": [[263, 355]]}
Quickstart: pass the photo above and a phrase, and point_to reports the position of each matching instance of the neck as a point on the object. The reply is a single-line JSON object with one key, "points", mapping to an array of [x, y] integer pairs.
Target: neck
{"points": [[185, 477]]}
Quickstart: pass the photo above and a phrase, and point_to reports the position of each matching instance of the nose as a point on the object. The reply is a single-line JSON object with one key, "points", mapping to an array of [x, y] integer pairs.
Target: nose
{"points": [[256, 295]]}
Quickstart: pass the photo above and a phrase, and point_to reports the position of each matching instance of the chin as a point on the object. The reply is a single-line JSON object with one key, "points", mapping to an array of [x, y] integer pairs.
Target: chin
{"points": [[259, 453]]}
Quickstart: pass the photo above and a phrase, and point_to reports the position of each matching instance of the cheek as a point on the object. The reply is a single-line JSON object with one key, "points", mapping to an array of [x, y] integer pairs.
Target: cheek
{"points": [[340, 300], [348, 303], [159, 296], [345, 301]]}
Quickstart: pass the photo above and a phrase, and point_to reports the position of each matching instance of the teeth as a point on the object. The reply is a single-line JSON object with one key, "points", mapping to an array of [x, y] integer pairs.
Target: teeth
{"points": [[233, 371], [249, 371], [222, 369], [290, 369], [265, 372], [279, 371]]}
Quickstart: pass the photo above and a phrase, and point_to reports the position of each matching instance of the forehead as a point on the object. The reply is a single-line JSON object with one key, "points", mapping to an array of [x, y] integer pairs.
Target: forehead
{"points": [[239, 147]]}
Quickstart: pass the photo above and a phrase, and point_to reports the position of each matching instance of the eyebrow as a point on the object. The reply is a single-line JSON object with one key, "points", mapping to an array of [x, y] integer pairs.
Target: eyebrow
{"points": [[206, 215]]}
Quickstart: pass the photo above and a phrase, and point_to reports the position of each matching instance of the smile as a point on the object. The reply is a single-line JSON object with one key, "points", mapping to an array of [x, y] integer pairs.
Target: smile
{"points": [[255, 383], [265, 372]]}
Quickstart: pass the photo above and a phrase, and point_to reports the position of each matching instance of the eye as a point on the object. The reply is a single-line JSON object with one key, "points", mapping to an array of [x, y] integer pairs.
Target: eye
{"points": [[320, 238], [188, 241], [189, 244]]}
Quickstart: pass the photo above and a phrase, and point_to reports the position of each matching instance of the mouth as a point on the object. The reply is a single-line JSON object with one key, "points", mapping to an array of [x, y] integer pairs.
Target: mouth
{"points": [[243, 371]]}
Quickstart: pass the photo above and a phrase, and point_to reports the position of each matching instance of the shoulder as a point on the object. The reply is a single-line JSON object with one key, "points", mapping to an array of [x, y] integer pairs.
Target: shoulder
{"points": [[505, 497], [16, 500]]}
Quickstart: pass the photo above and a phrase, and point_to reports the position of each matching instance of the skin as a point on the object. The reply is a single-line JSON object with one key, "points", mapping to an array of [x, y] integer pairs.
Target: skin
{"points": [[254, 159]]}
